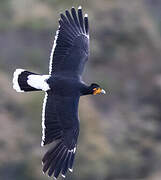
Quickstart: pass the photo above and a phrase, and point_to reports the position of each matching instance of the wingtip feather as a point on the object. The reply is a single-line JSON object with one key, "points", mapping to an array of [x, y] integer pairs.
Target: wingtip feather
{"points": [[80, 7], [63, 175], [71, 170]]}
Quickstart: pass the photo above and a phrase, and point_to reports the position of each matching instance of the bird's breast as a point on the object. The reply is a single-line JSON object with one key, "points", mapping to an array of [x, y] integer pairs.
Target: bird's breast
{"points": [[64, 86]]}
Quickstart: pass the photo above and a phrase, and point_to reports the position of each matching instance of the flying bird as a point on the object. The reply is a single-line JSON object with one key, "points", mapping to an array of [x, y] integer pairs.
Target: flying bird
{"points": [[63, 88]]}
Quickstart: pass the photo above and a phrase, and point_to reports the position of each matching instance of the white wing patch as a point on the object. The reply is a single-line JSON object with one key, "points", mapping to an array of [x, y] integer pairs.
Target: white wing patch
{"points": [[38, 81]]}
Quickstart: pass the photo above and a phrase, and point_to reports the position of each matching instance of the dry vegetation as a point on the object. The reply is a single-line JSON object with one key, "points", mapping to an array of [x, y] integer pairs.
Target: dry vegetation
{"points": [[120, 135]]}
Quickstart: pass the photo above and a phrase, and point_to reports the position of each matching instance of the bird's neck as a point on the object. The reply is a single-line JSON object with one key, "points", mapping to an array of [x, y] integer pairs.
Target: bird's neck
{"points": [[85, 90]]}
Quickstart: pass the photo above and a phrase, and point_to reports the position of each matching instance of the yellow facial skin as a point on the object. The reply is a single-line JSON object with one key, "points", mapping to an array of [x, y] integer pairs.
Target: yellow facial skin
{"points": [[97, 91]]}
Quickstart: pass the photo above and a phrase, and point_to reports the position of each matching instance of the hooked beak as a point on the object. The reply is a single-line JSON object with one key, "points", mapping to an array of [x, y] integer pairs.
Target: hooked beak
{"points": [[103, 91]]}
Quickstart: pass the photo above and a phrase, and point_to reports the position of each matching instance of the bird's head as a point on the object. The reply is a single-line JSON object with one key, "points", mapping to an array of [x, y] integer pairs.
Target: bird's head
{"points": [[96, 89]]}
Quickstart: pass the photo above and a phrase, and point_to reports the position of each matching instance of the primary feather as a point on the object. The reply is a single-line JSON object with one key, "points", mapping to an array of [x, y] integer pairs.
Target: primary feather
{"points": [[71, 45]]}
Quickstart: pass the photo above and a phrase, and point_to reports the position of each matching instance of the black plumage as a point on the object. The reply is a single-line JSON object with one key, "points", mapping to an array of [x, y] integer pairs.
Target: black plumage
{"points": [[63, 87]]}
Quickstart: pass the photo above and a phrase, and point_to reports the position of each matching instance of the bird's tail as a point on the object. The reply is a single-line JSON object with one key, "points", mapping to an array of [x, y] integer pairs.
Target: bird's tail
{"points": [[24, 81], [58, 160]]}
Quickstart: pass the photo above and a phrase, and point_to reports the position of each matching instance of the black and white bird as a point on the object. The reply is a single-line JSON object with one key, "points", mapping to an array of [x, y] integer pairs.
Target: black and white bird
{"points": [[63, 88]]}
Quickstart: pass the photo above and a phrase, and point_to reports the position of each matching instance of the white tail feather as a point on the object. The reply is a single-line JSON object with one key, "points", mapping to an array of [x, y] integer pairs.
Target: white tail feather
{"points": [[39, 82], [15, 80]]}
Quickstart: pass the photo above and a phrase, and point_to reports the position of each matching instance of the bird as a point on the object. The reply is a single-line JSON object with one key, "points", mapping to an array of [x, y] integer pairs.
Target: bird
{"points": [[63, 87]]}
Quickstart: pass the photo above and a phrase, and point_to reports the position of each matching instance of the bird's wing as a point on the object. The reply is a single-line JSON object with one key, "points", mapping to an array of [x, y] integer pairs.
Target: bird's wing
{"points": [[60, 125], [71, 46]]}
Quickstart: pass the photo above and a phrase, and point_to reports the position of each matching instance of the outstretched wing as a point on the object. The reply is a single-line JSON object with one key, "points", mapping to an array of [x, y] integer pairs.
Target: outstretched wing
{"points": [[71, 46], [60, 125]]}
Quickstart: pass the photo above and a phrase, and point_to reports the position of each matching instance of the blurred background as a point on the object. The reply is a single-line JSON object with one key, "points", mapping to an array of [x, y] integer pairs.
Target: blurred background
{"points": [[120, 136]]}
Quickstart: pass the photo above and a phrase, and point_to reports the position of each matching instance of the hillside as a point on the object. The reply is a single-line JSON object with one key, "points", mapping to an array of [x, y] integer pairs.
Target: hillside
{"points": [[120, 136]]}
